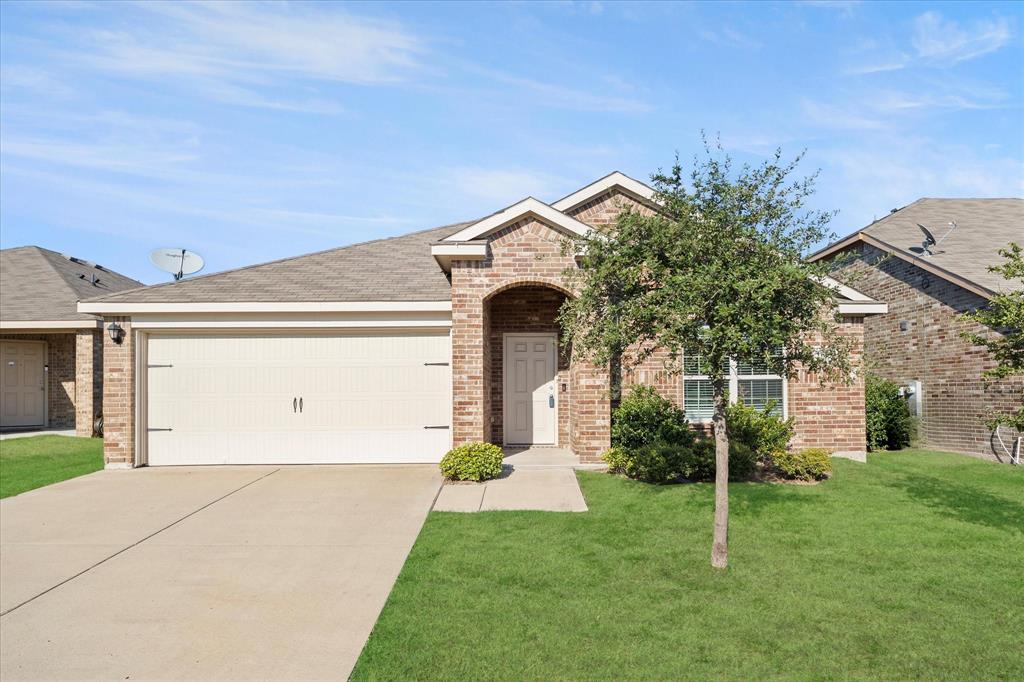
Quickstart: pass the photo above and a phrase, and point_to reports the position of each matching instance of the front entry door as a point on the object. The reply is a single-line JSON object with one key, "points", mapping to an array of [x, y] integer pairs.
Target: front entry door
{"points": [[530, 415], [22, 383]]}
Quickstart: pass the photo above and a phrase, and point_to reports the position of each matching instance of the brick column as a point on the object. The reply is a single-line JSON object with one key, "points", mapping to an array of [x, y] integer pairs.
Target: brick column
{"points": [[469, 394], [591, 422], [119, 397], [88, 379]]}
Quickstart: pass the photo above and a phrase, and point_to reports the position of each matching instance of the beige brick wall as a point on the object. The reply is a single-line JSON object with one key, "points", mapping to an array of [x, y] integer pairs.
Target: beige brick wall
{"points": [[88, 379], [119, 396], [954, 399], [829, 416]]}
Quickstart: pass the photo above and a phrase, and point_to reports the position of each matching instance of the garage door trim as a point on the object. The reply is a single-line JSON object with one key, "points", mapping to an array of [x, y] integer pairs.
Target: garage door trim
{"points": [[141, 337]]}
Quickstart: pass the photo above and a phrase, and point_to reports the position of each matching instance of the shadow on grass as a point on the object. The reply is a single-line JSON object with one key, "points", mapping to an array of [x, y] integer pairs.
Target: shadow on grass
{"points": [[963, 502]]}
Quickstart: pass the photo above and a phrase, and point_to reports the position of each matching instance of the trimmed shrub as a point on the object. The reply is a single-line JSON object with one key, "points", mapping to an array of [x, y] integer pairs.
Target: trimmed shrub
{"points": [[472, 462], [812, 464], [657, 463], [645, 418], [699, 461], [762, 432], [616, 460], [888, 417]]}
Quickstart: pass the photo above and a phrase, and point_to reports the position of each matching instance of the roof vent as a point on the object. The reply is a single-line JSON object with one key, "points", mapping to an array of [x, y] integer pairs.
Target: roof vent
{"points": [[81, 261]]}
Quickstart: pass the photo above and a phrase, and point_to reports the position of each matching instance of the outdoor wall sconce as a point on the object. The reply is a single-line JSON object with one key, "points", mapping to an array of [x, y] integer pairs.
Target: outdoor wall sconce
{"points": [[116, 333]]}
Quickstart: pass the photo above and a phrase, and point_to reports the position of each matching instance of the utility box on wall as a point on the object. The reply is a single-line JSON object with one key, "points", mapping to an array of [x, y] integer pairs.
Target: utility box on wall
{"points": [[911, 391]]}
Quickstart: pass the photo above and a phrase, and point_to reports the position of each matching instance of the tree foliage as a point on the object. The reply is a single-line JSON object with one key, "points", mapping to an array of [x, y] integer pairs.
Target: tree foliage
{"points": [[1005, 315], [719, 272]]}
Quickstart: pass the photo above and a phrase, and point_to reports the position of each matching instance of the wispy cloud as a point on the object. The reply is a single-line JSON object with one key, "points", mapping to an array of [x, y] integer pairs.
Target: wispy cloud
{"points": [[37, 81], [727, 36], [945, 40], [838, 118], [936, 42], [246, 54], [254, 42], [554, 95], [501, 186]]}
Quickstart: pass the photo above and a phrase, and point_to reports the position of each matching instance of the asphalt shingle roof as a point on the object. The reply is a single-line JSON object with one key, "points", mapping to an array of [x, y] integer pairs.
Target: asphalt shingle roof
{"points": [[983, 227], [395, 269], [37, 284]]}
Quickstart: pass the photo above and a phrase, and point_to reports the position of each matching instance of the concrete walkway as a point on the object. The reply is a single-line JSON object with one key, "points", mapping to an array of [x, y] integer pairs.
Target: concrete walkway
{"points": [[204, 572], [534, 479]]}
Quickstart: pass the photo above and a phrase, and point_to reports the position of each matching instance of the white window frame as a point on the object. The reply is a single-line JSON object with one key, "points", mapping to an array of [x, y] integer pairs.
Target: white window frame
{"points": [[734, 379]]}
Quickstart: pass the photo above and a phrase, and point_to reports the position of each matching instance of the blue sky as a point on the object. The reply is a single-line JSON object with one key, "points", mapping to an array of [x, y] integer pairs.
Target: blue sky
{"points": [[249, 132]]}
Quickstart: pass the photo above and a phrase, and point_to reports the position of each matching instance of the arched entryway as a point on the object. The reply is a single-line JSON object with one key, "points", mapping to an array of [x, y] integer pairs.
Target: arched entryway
{"points": [[527, 370]]}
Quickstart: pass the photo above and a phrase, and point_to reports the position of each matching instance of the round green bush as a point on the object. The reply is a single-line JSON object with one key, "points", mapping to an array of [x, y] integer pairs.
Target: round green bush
{"points": [[645, 418], [812, 464], [472, 462]]}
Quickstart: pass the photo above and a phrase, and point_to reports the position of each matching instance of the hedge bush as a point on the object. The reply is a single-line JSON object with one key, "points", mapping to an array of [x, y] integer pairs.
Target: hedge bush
{"points": [[645, 418], [472, 462], [760, 430], [811, 464], [667, 463], [888, 417]]}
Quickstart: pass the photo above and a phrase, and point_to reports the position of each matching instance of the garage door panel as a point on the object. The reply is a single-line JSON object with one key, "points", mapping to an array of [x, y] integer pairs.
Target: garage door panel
{"points": [[365, 398]]}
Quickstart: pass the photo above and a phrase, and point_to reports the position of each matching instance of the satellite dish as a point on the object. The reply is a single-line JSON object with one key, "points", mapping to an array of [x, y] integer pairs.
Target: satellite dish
{"points": [[929, 238], [178, 262]]}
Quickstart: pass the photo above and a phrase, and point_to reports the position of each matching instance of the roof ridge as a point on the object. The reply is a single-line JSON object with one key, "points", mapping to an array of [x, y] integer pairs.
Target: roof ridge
{"points": [[99, 299], [45, 254]]}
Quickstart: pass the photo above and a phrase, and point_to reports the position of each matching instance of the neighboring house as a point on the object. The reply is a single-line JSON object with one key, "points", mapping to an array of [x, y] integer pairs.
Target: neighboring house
{"points": [[51, 359], [919, 340], [396, 349]]}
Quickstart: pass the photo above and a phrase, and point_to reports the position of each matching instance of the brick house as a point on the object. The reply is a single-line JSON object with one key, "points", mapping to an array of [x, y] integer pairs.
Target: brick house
{"points": [[918, 339], [396, 349], [51, 355]]}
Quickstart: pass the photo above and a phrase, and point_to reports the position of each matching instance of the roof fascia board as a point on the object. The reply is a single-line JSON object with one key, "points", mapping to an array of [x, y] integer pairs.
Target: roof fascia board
{"points": [[528, 207], [50, 324], [922, 263], [267, 307], [307, 321], [635, 188], [845, 291], [862, 308], [445, 253]]}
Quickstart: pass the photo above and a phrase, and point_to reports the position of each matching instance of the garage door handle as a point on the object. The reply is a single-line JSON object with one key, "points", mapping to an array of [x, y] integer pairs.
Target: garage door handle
{"points": [[300, 405], [436, 427], [295, 404]]}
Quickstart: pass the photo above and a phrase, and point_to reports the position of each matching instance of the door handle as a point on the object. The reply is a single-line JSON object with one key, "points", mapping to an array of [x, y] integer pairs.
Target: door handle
{"points": [[295, 404], [551, 400], [300, 405]]}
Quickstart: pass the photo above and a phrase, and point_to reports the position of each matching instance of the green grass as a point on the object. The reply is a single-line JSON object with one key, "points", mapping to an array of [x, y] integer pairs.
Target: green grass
{"points": [[911, 566], [35, 461]]}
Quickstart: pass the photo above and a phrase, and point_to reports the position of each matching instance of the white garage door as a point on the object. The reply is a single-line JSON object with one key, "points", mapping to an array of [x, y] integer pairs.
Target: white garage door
{"points": [[268, 399]]}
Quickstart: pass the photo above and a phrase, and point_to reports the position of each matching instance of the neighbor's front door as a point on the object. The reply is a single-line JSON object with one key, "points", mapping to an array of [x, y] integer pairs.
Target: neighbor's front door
{"points": [[22, 383], [530, 364]]}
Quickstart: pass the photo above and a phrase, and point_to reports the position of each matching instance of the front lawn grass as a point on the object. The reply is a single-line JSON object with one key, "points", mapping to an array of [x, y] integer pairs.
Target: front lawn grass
{"points": [[35, 461], [907, 567]]}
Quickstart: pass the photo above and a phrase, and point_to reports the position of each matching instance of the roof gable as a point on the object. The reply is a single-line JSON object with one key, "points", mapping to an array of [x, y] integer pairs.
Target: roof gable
{"points": [[963, 257], [38, 284], [614, 180], [527, 208]]}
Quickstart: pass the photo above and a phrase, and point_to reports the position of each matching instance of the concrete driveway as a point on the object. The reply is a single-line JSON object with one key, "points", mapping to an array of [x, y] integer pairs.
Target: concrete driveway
{"points": [[204, 572]]}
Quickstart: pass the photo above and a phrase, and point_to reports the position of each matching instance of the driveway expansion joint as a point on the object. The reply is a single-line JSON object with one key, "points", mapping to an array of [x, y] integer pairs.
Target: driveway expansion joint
{"points": [[137, 542]]}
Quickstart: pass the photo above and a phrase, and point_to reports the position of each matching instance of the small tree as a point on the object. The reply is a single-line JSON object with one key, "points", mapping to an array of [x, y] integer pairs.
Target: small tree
{"points": [[717, 273], [1004, 313]]}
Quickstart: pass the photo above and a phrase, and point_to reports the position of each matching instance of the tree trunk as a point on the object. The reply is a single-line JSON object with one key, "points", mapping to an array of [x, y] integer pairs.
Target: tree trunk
{"points": [[720, 544]]}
